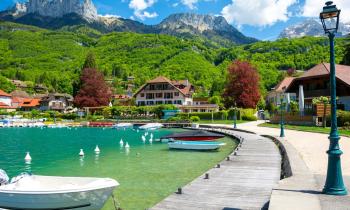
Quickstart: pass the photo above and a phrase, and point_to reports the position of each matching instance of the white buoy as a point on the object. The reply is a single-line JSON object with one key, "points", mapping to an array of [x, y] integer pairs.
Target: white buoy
{"points": [[97, 150], [127, 145], [81, 153], [28, 158], [121, 142]]}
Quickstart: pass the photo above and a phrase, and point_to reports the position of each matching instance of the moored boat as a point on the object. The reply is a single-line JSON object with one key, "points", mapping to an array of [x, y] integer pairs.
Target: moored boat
{"points": [[195, 135], [151, 126], [51, 192], [195, 145], [122, 125]]}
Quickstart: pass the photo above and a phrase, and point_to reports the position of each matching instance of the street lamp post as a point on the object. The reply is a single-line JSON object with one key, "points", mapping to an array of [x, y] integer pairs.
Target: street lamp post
{"points": [[282, 120], [235, 117], [334, 182]]}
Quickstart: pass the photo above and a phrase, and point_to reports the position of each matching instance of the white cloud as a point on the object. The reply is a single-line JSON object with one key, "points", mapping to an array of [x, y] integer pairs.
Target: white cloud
{"points": [[110, 16], [139, 7], [312, 8], [190, 3], [257, 12]]}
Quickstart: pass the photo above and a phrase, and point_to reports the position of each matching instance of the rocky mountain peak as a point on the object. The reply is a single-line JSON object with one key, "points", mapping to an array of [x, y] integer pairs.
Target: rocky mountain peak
{"points": [[57, 8]]}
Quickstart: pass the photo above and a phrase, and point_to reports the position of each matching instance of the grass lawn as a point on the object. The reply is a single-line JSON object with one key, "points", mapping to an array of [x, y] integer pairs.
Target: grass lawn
{"points": [[313, 129], [227, 122]]}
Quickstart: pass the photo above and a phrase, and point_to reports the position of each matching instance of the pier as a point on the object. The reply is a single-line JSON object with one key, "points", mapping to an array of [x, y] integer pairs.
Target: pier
{"points": [[242, 181]]}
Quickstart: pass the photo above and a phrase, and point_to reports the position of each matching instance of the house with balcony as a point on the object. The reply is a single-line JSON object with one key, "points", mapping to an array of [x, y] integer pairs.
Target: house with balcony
{"points": [[6, 101], [56, 102], [161, 90], [279, 93], [315, 83]]}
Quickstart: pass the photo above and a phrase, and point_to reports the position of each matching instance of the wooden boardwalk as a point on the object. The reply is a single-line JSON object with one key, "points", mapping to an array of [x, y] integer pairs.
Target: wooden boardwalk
{"points": [[243, 182]]}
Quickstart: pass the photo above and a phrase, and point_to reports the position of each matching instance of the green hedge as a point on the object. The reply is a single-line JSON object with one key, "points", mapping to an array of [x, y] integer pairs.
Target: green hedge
{"points": [[242, 114]]}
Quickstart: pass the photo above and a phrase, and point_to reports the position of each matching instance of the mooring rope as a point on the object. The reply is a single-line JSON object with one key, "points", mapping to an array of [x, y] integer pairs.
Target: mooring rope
{"points": [[115, 203]]}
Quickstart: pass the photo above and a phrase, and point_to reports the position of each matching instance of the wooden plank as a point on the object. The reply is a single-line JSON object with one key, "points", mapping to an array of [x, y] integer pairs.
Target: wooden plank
{"points": [[244, 182]]}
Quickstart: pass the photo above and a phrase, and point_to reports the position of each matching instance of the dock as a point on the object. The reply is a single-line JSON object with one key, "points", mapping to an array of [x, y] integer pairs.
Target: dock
{"points": [[245, 181]]}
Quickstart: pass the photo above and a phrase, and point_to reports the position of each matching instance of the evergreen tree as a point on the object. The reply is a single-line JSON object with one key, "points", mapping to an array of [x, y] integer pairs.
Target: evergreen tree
{"points": [[90, 61]]}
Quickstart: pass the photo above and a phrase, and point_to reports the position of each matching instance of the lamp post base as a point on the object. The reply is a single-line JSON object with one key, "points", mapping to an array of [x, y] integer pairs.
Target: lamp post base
{"points": [[334, 191]]}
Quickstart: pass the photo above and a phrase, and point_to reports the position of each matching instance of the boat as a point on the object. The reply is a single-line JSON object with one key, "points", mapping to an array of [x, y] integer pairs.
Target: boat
{"points": [[195, 135], [53, 192], [195, 145], [151, 126], [122, 125]]}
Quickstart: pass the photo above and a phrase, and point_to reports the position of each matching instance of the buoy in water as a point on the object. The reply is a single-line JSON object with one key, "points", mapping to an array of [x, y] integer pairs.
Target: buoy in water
{"points": [[81, 153], [97, 150], [27, 157], [127, 145]]}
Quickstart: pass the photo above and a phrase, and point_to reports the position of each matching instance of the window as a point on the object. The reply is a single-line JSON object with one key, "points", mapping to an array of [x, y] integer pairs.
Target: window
{"points": [[168, 102], [176, 93], [141, 103], [159, 102], [151, 87], [150, 102], [142, 95], [149, 95], [179, 102], [168, 95], [159, 95], [203, 110]]}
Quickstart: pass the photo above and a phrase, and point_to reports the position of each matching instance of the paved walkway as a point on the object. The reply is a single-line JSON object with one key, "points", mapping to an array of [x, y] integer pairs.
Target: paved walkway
{"points": [[244, 182], [311, 147]]}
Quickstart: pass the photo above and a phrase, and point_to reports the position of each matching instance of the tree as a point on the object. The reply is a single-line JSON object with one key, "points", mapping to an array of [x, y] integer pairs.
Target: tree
{"points": [[94, 91], [242, 86], [346, 58], [90, 61], [6, 85]]}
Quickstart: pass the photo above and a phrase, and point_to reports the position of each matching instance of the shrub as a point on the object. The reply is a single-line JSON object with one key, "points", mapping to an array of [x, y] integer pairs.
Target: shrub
{"points": [[195, 118], [249, 118]]}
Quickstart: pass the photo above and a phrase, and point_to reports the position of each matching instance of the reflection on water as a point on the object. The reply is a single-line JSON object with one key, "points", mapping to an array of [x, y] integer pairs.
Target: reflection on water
{"points": [[97, 157], [27, 166], [81, 160]]}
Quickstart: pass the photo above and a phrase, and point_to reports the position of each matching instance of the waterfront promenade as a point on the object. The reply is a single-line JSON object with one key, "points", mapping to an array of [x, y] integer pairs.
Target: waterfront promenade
{"points": [[244, 182]]}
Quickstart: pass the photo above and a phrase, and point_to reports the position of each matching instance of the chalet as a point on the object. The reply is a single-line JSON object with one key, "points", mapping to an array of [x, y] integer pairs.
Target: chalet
{"points": [[29, 104], [121, 100], [56, 102], [6, 101], [279, 92], [161, 90], [315, 83]]}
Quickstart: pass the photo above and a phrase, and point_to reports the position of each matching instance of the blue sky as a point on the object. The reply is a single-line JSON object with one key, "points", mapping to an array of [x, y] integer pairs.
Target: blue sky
{"points": [[262, 19]]}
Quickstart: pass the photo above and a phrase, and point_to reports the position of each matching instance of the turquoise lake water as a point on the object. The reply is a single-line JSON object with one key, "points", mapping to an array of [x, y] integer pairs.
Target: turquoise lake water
{"points": [[147, 173]]}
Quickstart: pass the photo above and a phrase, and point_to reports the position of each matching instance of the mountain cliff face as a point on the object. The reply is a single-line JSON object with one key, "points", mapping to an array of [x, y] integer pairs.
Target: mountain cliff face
{"points": [[311, 27], [55, 14], [208, 26], [57, 8]]}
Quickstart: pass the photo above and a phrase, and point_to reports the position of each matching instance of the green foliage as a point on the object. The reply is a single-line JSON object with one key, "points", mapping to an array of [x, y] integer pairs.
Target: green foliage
{"points": [[321, 100], [6, 85], [248, 114], [55, 58], [294, 107], [195, 118], [90, 61]]}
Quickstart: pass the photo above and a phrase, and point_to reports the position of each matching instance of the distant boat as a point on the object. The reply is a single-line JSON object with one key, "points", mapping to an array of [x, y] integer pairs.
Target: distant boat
{"points": [[122, 125], [57, 126], [195, 135], [195, 145], [151, 126], [50, 192]]}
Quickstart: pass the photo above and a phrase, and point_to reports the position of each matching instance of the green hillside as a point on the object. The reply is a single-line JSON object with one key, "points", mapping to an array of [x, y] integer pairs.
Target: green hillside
{"points": [[54, 58]]}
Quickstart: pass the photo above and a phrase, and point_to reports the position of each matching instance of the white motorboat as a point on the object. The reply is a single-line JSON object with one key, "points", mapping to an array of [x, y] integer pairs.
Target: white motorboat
{"points": [[57, 126], [151, 126], [195, 145], [122, 125], [50, 192]]}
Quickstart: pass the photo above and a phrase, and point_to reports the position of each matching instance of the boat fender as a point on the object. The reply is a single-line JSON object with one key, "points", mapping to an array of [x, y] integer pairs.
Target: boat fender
{"points": [[4, 178]]}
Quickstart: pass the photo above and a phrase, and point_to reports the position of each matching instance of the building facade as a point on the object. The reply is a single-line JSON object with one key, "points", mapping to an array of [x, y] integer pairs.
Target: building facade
{"points": [[161, 90], [56, 102], [279, 93]]}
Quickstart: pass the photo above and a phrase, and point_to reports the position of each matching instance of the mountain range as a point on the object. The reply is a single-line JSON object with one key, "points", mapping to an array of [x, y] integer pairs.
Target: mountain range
{"points": [[311, 27], [56, 14]]}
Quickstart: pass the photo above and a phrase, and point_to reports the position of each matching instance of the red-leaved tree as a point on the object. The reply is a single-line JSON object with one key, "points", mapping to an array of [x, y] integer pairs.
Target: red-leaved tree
{"points": [[242, 86], [94, 91]]}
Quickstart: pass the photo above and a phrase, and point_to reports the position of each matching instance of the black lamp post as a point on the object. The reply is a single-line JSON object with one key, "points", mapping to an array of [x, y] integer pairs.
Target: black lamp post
{"points": [[334, 182]]}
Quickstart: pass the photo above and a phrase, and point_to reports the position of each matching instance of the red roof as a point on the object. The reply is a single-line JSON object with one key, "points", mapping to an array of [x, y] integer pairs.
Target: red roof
{"points": [[284, 84], [342, 72], [5, 106], [121, 96], [2, 93], [159, 79], [28, 102]]}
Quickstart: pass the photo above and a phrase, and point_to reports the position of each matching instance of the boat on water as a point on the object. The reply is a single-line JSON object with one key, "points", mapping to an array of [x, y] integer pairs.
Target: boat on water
{"points": [[122, 125], [57, 126], [195, 145], [151, 126], [194, 135], [52, 192]]}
